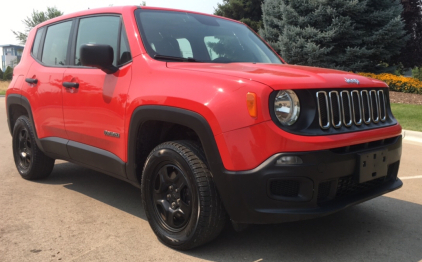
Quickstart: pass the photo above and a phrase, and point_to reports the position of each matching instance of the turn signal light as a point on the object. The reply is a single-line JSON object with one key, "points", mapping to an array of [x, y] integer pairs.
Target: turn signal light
{"points": [[251, 104]]}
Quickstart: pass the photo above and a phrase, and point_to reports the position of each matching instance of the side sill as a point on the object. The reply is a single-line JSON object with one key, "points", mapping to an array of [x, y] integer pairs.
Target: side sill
{"points": [[88, 156]]}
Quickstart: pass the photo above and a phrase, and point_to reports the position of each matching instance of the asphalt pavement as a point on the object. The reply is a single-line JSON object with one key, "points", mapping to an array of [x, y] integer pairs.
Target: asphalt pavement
{"points": [[82, 215]]}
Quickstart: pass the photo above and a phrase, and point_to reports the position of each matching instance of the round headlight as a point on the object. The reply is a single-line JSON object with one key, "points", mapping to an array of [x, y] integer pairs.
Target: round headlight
{"points": [[286, 107]]}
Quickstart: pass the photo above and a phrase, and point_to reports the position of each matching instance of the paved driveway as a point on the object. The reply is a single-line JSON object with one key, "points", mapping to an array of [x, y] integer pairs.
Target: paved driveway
{"points": [[82, 215]]}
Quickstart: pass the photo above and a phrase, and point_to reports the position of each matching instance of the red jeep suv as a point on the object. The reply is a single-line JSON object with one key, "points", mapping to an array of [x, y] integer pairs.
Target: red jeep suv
{"points": [[201, 114]]}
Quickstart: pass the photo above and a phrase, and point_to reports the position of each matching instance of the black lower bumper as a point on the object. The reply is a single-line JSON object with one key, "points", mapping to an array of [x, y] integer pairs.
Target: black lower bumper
{"points": [[327, 181]]}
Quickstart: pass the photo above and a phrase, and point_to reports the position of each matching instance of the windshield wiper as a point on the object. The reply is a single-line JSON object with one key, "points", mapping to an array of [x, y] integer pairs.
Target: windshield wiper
{"points": [[174, 58]]}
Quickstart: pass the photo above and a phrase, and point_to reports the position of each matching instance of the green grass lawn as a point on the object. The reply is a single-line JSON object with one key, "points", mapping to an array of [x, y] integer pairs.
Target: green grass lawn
{"points": [[409, 116]]}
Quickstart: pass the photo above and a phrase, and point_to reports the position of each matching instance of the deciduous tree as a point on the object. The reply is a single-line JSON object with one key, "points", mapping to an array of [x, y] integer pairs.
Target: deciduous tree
{"points": [[34, 19]]}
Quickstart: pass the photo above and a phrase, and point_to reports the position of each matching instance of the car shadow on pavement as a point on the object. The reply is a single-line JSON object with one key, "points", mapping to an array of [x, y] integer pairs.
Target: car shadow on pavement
{"points": [[383, 229], [99, 186]]}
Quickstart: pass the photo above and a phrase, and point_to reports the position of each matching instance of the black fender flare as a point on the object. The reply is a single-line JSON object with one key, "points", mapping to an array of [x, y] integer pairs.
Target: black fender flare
{"points": [[184, 117], [15, 99]]}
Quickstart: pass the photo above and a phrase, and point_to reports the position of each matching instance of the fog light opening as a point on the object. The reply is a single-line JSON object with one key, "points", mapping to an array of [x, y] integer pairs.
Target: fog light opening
{"points": [[289, 160]]}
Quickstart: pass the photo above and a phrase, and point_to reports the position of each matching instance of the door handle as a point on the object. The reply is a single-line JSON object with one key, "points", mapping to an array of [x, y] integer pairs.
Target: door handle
{"points": [[70, 85], [31, 80]]}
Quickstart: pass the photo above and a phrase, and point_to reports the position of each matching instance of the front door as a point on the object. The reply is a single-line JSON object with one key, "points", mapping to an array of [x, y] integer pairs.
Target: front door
{"points": [[94, 102]]}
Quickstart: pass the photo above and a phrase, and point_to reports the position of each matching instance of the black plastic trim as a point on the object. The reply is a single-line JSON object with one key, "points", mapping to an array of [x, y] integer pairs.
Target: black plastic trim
{"points": [[97, 158], [88, 156], [11, 99], [23, 101], [55, 147], [248, 201], [72, 41], [179, 116]]}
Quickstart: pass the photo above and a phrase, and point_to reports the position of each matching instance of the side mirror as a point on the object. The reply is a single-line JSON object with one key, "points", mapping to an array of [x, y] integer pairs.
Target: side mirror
{"points": [[99, 56]]}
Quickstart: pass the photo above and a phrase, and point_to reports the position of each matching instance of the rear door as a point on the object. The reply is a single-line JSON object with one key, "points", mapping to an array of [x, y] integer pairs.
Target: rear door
{"points": [[94, 111], [43, 86]]}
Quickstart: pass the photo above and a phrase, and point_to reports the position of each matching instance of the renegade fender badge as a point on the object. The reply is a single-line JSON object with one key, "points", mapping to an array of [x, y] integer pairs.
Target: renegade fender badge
{"points": [[112, 134], [352, 81]]}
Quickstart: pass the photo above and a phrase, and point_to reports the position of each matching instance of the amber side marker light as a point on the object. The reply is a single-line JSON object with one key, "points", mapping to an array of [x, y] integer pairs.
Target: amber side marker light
{"points": [[251, 104]]}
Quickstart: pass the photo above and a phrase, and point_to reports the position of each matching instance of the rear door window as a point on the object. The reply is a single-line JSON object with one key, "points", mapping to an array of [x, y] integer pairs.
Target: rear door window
{"points": [[56, 43]]}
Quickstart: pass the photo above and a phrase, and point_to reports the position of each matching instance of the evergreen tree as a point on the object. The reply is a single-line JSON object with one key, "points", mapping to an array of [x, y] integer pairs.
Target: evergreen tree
{"points": [[8, 74], [1, 74], [352, 35], [246, 11], [37, 17], [411, 55]]}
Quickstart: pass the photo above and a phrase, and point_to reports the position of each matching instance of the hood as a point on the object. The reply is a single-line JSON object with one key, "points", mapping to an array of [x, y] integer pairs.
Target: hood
{"points": [[283, 76]]}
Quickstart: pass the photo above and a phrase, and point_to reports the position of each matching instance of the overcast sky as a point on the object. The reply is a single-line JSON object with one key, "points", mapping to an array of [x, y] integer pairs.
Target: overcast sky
{"points": [[14, 11]]}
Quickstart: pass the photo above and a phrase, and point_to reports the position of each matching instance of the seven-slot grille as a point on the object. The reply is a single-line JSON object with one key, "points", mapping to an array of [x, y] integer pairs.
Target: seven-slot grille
{"points": [[351, 107]]}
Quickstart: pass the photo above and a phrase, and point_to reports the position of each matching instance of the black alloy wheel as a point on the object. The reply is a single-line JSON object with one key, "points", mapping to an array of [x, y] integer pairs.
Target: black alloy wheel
{"points": [[179, 197], [172, 197], [30, 161], [24, 149]]}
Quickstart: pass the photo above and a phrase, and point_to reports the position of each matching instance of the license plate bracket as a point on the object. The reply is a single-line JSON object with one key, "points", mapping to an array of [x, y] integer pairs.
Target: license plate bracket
{"points": [[372, 165]]}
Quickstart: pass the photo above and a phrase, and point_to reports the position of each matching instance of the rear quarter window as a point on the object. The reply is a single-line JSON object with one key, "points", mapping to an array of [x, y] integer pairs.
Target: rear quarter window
{"points": [[37, 43]]}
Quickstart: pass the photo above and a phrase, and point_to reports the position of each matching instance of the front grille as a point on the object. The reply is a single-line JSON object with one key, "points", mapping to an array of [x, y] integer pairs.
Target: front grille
{"points": [[350, 107], [284, 188], [324, 190], [365, 146], [348, 186]]}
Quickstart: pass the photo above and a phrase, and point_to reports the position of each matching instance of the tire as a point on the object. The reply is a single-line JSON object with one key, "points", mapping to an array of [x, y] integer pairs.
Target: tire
{"points": [[179, 196], [30, 161]]}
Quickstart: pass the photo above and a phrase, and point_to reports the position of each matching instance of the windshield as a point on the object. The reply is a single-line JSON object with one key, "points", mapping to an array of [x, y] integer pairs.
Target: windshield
{"points": [[170, 35]]}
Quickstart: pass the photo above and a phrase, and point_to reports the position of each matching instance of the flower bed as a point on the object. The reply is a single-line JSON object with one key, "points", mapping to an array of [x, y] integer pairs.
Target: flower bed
{"points": [[398, 83]]}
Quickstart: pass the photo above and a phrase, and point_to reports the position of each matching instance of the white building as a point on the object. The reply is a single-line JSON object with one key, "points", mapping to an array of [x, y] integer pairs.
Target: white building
{"points": [[10, 55]]}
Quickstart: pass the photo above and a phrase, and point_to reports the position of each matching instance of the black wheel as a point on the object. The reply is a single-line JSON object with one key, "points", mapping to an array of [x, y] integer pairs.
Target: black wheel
{"points": [[179, 197], [30, 161]]}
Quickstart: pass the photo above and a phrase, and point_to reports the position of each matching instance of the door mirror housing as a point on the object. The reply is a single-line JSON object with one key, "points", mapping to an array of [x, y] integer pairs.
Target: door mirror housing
{"points": [[99, 56]]}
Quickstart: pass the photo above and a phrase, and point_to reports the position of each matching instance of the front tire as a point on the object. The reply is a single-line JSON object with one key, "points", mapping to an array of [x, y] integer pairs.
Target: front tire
{"points": [[29, 159], [179, 196]]}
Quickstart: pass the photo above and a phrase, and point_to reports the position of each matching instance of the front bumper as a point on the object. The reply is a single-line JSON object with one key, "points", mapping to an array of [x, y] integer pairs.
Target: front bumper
{"points": [[326, 182]]}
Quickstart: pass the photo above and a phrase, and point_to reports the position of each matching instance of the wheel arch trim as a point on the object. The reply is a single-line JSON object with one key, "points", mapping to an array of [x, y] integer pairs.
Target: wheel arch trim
{"points": [[180, 116], [15, 99]]}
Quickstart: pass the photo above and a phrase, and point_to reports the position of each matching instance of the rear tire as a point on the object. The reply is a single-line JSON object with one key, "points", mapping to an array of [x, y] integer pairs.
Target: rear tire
{"points": [[179, 196], [29, 159]]}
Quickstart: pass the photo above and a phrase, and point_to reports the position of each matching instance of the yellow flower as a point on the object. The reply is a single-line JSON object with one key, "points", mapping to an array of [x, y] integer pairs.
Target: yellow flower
{"points": [[398, 83]]}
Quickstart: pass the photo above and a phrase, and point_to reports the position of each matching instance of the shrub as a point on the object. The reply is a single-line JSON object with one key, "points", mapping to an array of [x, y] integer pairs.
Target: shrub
{"points": [[398, 83], [417, 73], [1, 74], [8, 74]]}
